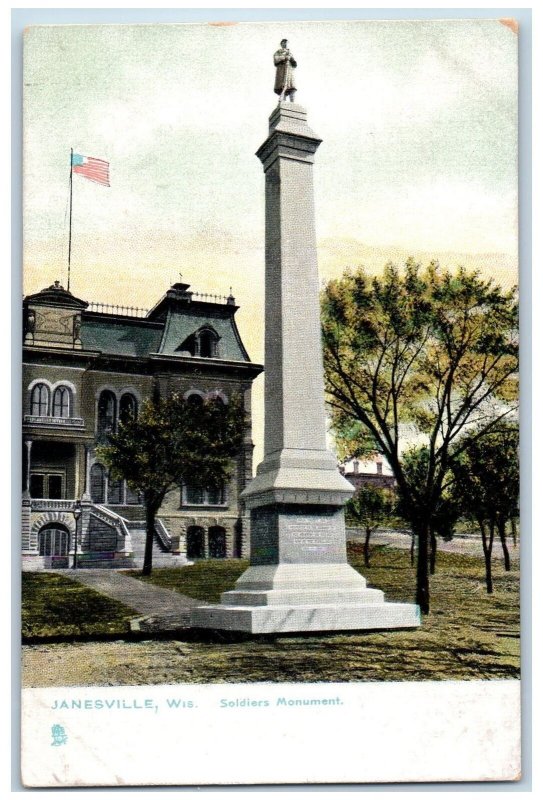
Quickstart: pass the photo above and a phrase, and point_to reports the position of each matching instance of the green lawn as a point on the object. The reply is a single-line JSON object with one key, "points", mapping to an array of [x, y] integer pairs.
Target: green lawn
{"points": [[53, 605], [204, 580], [468, 634]]}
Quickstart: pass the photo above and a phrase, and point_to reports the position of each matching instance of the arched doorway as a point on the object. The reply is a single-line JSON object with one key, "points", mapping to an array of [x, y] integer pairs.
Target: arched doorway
{"points": [[217, 542], [54, 543], [195, 542]]}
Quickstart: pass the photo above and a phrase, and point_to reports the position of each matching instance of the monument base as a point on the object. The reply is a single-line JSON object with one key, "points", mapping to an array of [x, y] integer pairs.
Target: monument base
{"points": [[288, 598], [290, 619]]}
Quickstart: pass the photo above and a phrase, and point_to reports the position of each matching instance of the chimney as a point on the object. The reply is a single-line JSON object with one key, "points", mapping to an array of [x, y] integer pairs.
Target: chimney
{"points": [[356, 465]]}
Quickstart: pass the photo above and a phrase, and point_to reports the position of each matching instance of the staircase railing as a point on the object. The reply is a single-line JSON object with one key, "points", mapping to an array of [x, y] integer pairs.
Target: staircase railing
{"points": [[162, 533], [111, 518]]}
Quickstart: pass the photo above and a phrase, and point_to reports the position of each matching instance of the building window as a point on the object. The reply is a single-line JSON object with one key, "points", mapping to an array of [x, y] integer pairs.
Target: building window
{"points": [[128, 407], [203, 343], [55, 487], [208, 341], [107, 412], [115, 492], [54, 541], [195, 495], [37, 486], [198, 496], [217, 542], [215, 496], [47, 486], [195, 542], [98, 483], [61, 402], [39, 400]]}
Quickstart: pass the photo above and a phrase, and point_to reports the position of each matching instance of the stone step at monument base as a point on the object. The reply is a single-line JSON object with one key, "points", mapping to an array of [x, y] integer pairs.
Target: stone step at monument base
{"points": [[300, 577], [302, 597], [303, 618], [289, 598]]}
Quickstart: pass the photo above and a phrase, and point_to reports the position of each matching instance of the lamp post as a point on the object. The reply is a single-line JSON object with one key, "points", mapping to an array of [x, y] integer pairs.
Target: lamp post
{"points": [[76, 511]]}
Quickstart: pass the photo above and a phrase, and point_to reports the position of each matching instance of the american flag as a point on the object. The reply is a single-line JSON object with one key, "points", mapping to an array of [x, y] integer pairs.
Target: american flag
{"points": [[92, 168]]}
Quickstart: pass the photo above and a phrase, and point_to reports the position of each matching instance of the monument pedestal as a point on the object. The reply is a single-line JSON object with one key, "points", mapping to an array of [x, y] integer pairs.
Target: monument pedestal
{"points": [[299, 578]]}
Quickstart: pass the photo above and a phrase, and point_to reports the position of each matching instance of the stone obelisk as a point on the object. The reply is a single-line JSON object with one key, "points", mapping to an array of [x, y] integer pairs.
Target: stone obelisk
{"points": [[299, 578]]}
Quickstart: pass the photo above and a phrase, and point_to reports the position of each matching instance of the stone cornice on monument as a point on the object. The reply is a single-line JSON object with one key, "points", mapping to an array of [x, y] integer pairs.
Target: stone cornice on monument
{"points": [[290, 137]]}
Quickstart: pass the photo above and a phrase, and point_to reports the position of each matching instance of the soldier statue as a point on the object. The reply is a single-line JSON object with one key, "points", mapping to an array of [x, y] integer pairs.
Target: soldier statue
{"points": [[285, 85]]}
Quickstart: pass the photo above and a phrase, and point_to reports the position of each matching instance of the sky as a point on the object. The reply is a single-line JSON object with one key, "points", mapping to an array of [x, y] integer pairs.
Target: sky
{"points": [[419, 155]]}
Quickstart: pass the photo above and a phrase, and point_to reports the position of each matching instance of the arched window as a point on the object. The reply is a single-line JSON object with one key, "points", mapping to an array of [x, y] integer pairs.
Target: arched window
{"points": [[208, 343], [61, 402], [217, 542], [128, 407], [195, 542], [54, 540], [203, 343], [107, 412], [195, 399], [98, 483], [39, 400]]}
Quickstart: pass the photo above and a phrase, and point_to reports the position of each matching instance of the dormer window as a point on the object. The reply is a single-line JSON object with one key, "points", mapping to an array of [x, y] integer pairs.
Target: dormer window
{"points": [[208, 341], [202, 344]]}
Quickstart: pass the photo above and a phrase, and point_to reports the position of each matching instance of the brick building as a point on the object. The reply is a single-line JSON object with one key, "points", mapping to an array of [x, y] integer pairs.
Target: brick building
{"points": [[373, 474], [85, 367]]}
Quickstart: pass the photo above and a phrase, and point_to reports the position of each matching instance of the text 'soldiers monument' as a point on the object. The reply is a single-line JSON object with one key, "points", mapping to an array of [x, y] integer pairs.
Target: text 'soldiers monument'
{"points": [[299, 578]]}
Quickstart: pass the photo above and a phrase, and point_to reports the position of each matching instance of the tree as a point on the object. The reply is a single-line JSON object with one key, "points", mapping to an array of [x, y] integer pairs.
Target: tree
{"points": [[426, 354], [370, 507], [173, 440], [446, 513], [486, 485]]}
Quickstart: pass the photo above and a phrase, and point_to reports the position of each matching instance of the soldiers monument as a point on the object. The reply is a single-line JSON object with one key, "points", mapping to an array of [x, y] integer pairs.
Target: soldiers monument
{"points": [[299, 578]]}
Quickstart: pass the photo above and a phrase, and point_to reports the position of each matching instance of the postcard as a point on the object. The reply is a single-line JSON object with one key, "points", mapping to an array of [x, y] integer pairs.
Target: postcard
{"points": [[270, 492]]}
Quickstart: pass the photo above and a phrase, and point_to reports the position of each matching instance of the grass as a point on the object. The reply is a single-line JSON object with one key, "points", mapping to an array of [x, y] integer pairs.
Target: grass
{"points": [[204, 580], [468, 634], [53, 605]]}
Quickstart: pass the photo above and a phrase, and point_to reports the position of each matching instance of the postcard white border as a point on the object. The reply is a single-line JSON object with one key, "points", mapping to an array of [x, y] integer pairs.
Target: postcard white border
{"points": [[189, 734]]}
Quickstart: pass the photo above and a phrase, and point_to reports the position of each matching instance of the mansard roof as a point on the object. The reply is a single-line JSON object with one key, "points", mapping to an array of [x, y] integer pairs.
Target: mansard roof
{"points": [[120, 336], [178, 314], [182, 323]]}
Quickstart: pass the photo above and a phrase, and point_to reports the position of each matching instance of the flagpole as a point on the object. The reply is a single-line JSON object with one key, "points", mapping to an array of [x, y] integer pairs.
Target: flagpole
{"points": [[70, 233]]}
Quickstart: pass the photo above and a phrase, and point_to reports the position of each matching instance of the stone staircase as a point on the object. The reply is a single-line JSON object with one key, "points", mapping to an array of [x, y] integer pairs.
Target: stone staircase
{"points": [[107, 526], [162, 555]]}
